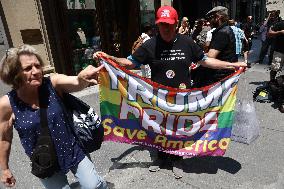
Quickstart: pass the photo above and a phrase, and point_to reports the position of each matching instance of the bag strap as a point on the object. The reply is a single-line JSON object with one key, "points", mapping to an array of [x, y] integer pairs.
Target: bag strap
{"points": [[67, 112], [43, 114]]}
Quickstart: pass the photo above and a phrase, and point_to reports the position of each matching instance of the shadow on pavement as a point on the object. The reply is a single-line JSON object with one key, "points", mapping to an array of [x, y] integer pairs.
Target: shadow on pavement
{"points": [[206, 164], [210, 165], [127, 152], [119, 165], [257, 83], [76, 185]]}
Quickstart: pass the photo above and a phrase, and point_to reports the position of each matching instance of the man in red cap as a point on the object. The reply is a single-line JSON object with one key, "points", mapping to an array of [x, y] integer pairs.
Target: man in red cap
{"points": [[169, 56]]}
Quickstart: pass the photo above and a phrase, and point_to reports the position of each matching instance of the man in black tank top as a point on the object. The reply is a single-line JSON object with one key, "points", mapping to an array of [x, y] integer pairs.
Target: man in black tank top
{"points": [[169, 56]]}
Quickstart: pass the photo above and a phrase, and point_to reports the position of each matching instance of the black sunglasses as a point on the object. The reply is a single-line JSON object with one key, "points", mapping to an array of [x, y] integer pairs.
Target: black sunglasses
{"points": [[211, 16]]}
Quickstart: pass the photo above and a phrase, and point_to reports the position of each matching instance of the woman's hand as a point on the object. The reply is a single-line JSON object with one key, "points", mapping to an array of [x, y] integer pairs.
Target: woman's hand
{"points": [[7, 178], [90, 74]]}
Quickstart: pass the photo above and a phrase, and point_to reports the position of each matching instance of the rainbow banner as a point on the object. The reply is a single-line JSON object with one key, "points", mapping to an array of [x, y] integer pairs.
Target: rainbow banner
{"points": [[184, 122]]}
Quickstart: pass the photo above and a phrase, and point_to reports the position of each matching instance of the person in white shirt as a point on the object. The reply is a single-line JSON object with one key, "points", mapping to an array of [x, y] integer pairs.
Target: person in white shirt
{"points": [[208, 39], [147, 34]]}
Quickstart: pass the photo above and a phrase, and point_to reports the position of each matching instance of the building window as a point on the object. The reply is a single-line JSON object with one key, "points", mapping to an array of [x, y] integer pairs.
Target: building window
{"points": [[226, 4], [147, 11], [80, 4], [83, 32]]}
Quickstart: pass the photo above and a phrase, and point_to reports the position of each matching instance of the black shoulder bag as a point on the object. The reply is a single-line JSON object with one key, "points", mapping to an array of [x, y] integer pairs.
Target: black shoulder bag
{"points": [[44, 161], [84, 122]]}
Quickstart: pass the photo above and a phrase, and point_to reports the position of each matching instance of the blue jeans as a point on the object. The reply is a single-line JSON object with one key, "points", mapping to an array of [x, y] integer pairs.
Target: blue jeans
{"points": [[86, 174]]}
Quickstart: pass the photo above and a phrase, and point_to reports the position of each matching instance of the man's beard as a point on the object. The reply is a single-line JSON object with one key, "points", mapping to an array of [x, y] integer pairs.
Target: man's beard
{"points": [[215, 24]]}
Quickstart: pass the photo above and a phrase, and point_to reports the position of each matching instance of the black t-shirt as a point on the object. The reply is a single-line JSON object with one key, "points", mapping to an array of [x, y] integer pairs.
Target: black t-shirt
{"points": [[279, 40], [248, 28], [169, 62], [223, 40]]}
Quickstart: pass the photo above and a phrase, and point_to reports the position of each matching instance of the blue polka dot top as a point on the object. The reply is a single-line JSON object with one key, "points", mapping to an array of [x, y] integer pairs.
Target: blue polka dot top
{"points": [[27, 123]]}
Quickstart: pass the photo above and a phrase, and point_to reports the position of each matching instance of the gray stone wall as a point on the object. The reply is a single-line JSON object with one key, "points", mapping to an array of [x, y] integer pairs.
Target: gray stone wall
{"points": [[276, 5]]}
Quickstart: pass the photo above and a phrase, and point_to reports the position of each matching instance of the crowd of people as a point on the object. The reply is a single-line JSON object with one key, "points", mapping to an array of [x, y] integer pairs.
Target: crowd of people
{"points": [[214, 43], [245, 32], [270, 32]]}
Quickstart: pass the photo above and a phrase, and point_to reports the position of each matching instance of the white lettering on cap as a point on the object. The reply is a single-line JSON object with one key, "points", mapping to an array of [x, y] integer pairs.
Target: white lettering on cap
{"points": [[165, 13]]}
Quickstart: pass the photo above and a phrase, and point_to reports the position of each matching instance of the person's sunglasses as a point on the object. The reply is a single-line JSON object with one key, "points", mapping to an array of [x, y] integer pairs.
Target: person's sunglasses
{"points": [[211, 16]]}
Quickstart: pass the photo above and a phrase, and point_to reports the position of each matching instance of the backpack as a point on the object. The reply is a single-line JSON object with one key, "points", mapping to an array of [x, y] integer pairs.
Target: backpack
{"points": [[137, 44], [44, 161], [263, 94]]}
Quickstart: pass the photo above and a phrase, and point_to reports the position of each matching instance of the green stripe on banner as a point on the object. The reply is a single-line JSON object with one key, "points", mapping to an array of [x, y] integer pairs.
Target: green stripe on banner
{"points": [[109, 108], [112, 109], [225, 119]]}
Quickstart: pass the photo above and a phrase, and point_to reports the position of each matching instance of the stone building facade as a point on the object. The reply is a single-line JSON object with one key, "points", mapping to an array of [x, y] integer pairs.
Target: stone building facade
{"points": [[276, 5], [22, 22]]}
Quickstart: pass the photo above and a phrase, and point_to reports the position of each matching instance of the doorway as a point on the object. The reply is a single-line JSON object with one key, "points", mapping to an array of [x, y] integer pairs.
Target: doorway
{"points": [[78, 28], [243, 11], [192, 9], [120, 25]]}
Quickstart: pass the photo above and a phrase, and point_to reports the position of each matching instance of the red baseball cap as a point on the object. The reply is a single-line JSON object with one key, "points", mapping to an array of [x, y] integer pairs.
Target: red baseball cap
{"points": [[166, 14]]}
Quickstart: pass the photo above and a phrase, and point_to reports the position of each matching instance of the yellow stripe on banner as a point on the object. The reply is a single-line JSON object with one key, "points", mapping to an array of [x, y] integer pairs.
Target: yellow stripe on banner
{"points": [[111, 96], [104, 78], [230, 103], [106, 94]]}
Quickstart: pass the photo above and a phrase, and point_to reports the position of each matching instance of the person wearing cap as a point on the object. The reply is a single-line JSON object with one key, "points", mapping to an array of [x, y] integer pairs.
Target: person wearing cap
{"points": [[222, 47], [169, 55]]}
